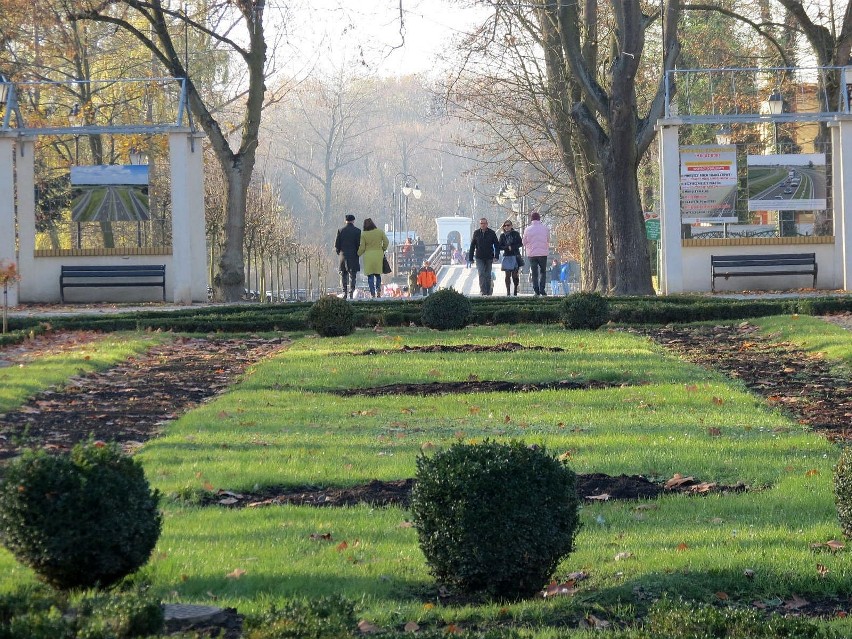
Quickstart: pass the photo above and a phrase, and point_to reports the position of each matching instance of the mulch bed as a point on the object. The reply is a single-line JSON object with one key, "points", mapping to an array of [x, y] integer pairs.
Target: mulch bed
{"points": [[504, 347], [592, 487], [801, 385], [128, 403], [474, 386]]}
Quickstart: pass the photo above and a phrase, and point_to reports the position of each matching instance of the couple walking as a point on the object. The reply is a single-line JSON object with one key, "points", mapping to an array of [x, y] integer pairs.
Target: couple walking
{"points": [[350, 244], [485, 248]]}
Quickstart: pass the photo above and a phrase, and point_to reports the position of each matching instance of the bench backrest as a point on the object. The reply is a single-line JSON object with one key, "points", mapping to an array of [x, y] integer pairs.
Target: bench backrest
{"points": [[778, 259], [135, 270]]}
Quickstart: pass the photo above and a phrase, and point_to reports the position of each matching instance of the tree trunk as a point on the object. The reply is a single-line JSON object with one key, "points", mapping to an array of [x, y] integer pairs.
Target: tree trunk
{"points": [[593, 268], [632, 267], [228, 282]]}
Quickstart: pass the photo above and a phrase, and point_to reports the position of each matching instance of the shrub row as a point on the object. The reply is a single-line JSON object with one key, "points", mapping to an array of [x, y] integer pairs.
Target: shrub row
{"points": [[494, 310]]}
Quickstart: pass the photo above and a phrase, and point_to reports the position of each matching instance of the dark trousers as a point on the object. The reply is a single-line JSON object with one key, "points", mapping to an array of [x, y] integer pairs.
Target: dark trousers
{"points": [[347, 280], [483, 267], [538, 272]]}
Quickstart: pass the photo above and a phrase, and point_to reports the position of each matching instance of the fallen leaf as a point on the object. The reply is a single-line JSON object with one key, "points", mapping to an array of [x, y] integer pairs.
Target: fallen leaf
{"points": [[722, 596], [596, 622], [835, 545], [623, 555], [678, 480], [411, 626], [749, 573], [406, 524], [236, 573], [601, 497], [812, 472], [452, 629], [718, 401], [342, 546], [367, 628], [822, 571], [703, 487], [691, 388], [795, 602], [428, 606], [714, 431], [681, 547], [555, 589], [320, 536], [228, 501]]}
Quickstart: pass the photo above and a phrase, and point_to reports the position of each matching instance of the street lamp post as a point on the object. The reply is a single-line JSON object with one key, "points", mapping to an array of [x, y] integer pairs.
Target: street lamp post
{"points": [[510, 191], [724, 136], [408, 190], [775, 104], [405, 189]]}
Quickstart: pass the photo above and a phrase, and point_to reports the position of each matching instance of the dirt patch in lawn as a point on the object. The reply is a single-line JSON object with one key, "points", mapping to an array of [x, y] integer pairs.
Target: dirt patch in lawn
{"points": [[474, 385], [803, 386], [504, 347], [130, 402], [591, 487]]}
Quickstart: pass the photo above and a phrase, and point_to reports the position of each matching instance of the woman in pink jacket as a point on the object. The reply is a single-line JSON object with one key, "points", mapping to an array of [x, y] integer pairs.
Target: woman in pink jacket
{"points": [[537, 247]]}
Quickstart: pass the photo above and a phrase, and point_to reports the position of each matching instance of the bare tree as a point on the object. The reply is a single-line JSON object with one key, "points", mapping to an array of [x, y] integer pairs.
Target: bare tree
{"points": [[216, 21], [334, 120]]}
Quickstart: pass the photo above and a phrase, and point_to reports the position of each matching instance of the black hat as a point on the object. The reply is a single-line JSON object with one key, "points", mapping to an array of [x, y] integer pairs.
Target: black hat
{"points": [[350, 218]]}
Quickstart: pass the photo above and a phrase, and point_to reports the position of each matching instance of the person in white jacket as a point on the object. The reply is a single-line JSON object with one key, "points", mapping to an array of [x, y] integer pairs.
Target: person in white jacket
{"points": [[537, 247]]}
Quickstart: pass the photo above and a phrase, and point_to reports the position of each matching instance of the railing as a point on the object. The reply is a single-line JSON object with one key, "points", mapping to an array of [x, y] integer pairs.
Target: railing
{"points": [[413, 256]]}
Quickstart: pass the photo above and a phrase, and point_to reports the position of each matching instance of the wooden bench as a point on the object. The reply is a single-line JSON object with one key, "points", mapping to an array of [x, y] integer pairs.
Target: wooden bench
{"points": [[762, 265], [109, 276]]}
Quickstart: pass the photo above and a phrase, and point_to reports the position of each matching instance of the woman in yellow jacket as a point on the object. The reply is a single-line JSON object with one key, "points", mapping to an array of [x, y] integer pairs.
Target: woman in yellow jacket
{"points": [[373, 245]]}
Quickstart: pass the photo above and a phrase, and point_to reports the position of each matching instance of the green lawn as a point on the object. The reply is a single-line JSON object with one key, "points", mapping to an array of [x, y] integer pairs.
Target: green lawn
{"points": [[284, 426]]}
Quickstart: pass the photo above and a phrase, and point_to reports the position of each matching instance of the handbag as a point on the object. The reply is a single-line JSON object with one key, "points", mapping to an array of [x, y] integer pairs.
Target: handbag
{"points": [[509, 263], [386, 268], [520, 261]]}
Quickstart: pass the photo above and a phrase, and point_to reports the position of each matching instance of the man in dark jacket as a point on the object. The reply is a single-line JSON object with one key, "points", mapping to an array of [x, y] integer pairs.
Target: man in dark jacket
{"points": [[485, 248], [346, 245]]}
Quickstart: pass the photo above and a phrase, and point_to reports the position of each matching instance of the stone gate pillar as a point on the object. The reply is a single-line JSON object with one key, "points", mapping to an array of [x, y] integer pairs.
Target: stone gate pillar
{"points": [[842, 145], [8, 228], [671, 252], [189, 248]]}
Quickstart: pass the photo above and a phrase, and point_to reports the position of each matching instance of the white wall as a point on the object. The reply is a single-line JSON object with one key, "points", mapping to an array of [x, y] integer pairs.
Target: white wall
{"points": [[462, 225], [696, 268], [43, 281]]}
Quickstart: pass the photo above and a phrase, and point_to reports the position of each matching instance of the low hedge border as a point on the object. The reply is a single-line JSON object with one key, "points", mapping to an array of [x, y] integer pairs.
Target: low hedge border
{"points": [[243, 318]]}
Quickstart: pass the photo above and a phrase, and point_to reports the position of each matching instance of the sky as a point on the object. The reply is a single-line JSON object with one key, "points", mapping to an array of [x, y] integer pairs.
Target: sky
{"points": [[366, 33]]}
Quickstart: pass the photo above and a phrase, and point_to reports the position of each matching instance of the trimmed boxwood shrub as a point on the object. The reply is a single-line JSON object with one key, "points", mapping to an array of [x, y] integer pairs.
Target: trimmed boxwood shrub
{"points": [[494, 518], [585, 311], [330, 617], [83, 520], [843, 490], [446, 309], [331, 316]]}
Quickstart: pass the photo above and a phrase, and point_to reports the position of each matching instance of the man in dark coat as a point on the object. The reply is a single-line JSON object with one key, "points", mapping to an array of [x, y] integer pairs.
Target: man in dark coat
{"points": [[346, 245], [485, 248]]}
